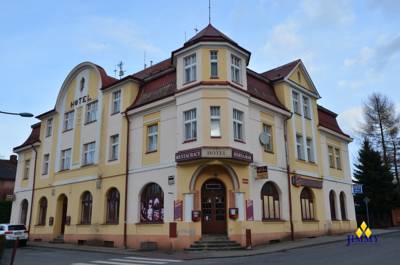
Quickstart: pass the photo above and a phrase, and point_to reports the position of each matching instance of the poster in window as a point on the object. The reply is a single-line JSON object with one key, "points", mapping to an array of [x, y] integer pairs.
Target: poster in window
{"points": [[152, 210], [249, 210], [178, 210]]}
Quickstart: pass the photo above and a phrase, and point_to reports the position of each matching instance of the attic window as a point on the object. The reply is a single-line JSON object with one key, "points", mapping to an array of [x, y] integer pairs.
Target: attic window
{"points": [[299, 76], [82, 84]]}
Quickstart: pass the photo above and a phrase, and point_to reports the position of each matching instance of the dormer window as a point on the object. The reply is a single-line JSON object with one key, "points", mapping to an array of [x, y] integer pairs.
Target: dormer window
{"points": [[190, 68], [214, 64], [236, 69]]}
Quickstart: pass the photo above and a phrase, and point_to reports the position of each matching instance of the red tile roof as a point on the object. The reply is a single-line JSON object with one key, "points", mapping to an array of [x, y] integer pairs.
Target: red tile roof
{"points": [[328, 120], [33, 137], [154, 69], [105, 79], [281, 71]]}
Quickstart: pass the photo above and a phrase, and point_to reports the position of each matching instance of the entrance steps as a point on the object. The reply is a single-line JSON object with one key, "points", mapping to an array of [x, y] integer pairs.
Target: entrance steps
{"points": [[214, 243], [58, 240]]}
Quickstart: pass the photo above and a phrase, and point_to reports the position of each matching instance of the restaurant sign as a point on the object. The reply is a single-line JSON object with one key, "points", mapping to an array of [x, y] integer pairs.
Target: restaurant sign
{"points": [[213, 152]]}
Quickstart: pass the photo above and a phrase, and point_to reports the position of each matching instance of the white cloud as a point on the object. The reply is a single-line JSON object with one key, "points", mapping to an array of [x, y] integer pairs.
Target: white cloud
{"points": [[351, 119], [364, 57], [327, 11]]}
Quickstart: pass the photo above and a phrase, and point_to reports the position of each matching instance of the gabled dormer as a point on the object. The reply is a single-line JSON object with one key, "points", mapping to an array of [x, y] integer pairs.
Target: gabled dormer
{"points": [[210, 57]]}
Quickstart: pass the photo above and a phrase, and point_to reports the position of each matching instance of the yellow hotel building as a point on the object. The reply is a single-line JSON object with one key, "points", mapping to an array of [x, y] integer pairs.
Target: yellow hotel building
{"points": [[193, 146]]}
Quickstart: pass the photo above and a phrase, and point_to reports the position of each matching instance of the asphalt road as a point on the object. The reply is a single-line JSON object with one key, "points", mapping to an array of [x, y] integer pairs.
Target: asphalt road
{"points": [[386, 251]]}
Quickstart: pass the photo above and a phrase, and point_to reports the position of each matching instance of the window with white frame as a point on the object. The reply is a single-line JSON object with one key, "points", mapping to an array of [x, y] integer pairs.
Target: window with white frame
{"points": [[190, 68], [190, 123], [236, 69], [49, 127], [116, 102], [45, 169], [91, 112], [215, 116], [65, 159], [27, 168], [88, 153], [306, 107], [296, 102], [337, 158], [267, 129], [69, 120], [152, 136], [310, 150], [331, 157], [300, 147], [114, 147], [238, 125], [214, 64]]}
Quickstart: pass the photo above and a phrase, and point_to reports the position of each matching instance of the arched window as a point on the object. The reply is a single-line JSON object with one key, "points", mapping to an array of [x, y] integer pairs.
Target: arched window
{"points": [[42, 211], [152, 204], [332, 204], [86, 204], [343, 205], [307, 204], [270, 201], [24, 211], [112, 215]]}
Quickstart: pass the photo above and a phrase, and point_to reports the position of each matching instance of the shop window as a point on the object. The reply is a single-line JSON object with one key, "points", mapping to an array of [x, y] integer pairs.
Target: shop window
{"points": [[42, 211], [270, 201], [332, 204], [86, 210], [152, 204], [112, 215], [307, 204]]}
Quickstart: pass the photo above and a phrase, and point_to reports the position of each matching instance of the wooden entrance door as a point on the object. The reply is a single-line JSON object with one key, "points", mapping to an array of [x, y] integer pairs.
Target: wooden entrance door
{"points": [[213, 207], [64, 214]]}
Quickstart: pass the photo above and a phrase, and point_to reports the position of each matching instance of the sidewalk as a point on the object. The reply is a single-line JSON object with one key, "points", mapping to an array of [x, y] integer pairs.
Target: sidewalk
{"points": [[184, 255]]}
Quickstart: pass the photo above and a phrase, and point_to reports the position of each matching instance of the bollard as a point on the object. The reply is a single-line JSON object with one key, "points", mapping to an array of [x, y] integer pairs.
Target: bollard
{"points": [[14, 252]]}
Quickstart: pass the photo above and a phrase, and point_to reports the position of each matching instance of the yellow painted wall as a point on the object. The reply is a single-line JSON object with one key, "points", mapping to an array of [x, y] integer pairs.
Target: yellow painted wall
{"points": [[206, 66], [269, 119], [298, 76], [150, 158]]}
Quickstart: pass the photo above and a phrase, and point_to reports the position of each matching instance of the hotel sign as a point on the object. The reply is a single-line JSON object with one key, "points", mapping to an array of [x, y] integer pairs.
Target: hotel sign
{"points": [[80, 100], [215, 153]]}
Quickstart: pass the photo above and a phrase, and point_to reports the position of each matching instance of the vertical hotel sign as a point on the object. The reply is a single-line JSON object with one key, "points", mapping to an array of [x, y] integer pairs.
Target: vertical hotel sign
{"points": [[178, 210], [249, 210]]}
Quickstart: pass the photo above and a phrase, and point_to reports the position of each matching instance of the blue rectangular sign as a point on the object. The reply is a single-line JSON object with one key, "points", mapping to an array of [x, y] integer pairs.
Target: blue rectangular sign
{"points": [[357, 188]]}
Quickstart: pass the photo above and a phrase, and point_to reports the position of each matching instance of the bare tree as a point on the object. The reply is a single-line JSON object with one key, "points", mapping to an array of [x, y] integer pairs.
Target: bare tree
{"points": [[394, 151]]}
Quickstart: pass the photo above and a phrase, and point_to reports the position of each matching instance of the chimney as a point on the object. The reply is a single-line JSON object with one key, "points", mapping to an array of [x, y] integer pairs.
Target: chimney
{"points": [[13, 158]]}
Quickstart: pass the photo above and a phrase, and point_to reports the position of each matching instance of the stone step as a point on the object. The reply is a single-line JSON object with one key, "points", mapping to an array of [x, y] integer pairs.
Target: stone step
{"points": [[220, 248], [216, 244]]}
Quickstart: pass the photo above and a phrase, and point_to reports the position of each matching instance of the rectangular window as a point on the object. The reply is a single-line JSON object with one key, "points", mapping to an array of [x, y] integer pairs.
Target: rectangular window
{"points": [[338, 160], [331, 157], [116, 102], [152, 135], [45, 169], [49, 127], [91, 112], [215, 121], [27, 168], [267, 129], [306, 107], [300, 147], [88, 153], [66, 159], [238, 125], [68, 121], [236, 69], [190, 68], [296, 102], [214, 64], [114, 147], [190, 124], [310, 150]]}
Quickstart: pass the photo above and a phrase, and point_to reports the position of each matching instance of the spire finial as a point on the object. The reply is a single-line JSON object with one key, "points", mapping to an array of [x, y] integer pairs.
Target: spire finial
{"points": [[209, 11]]}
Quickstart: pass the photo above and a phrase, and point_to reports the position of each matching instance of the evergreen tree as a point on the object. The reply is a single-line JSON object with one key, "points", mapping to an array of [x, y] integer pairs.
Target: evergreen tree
{"points": [[377, 181]]}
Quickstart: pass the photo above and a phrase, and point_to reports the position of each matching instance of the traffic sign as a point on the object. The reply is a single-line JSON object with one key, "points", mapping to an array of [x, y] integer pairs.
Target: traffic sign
{"points": [[357, 188]]}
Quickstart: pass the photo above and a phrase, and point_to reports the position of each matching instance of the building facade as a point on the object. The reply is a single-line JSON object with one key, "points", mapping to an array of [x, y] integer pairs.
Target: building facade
{"points": [[197, 144]]}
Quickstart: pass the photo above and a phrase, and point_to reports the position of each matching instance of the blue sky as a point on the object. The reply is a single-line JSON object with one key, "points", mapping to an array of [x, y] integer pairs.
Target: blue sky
{"points": [[350, 48]]}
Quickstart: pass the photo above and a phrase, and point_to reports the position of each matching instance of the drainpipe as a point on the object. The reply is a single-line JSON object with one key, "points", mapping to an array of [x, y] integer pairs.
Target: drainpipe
{"points": [[288, 177], [126, 181], [33, 190]]}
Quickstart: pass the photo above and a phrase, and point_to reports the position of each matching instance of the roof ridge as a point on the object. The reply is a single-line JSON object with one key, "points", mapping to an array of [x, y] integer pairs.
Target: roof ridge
{"points": [[281, 66]]}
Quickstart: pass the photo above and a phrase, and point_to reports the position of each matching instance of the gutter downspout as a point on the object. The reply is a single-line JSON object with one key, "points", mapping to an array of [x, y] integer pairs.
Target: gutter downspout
{"points": [[288, 177], [33, 190], [126, 181]]}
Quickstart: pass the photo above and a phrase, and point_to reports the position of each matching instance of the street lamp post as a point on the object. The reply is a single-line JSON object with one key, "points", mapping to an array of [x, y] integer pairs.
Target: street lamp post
{"points": [[22, 114]]}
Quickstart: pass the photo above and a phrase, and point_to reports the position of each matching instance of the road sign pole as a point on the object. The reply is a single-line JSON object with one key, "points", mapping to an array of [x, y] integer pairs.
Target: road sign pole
{"points": [[366, 201]]}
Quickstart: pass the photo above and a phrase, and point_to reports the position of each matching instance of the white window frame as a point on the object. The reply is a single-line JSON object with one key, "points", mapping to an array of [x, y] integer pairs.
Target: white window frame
{"points": [[296, 102], [338, 159], [300, 147], [269, 147], [69, 120], [236, 69], [214, 62], [114, 147], [306, 107], [49, 127], [331, 156], [310, 150], [152, 137], [65, 162], [189, 68], [190, 123], [45, 169], [91, 112], [116, 102], [89, 150], [215, 120], [238, 125]]}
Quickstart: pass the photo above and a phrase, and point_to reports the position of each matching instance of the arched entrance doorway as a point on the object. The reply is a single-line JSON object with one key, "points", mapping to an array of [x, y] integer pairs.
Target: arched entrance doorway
{"points": [[62, 206], [213, 207]]}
